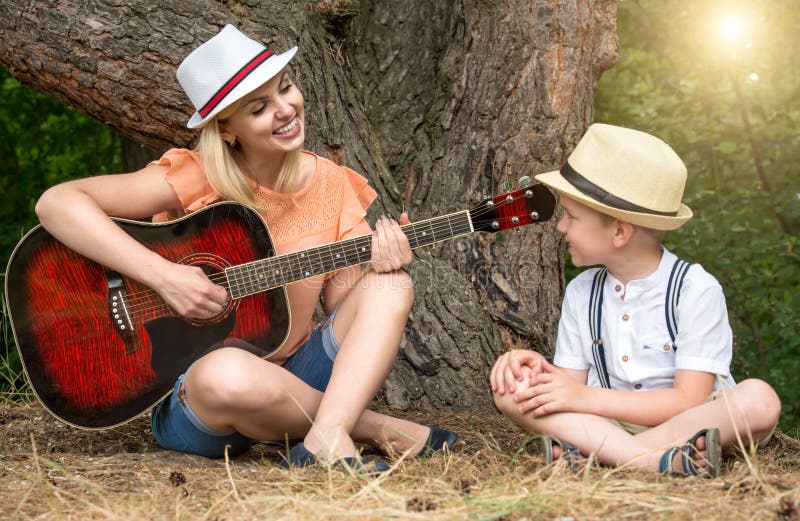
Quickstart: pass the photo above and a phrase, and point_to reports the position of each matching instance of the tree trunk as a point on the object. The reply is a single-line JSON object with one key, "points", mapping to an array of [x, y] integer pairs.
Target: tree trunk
{"points": [[437, 102]]}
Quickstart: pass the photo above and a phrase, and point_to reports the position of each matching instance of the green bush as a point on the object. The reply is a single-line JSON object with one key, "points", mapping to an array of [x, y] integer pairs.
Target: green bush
{"points": [[43, 143], [729, 110]]}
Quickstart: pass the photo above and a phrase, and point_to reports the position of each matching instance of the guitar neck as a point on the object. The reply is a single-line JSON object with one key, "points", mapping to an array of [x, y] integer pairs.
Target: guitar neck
{"points": [[265, 274]]}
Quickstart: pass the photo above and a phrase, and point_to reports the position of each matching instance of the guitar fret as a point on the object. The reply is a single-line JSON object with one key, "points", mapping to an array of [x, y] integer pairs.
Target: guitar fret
{"points": [[291, 267], [298, 267], [277, 272], [341, 259], [321, 266], [364, 248], [248, 281], [429, 233]]}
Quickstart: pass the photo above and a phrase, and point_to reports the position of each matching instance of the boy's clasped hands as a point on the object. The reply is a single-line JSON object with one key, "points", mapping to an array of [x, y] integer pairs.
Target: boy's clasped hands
{"points": [[538, 386]]}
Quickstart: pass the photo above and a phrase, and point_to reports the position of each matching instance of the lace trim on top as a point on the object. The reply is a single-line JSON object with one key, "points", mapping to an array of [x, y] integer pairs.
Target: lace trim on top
{"points": [[337, 199]]}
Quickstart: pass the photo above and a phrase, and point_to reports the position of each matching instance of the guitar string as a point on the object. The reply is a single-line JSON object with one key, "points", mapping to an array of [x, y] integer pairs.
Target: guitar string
{"points": [[296, 271], [294, 260], [298, 262], [137, 303], [294, 257], [151, 308]]}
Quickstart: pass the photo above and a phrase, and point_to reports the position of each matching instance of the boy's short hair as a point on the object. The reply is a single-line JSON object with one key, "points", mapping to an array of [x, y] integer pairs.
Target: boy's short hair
{"points": [[627, 174], [607, 220]]}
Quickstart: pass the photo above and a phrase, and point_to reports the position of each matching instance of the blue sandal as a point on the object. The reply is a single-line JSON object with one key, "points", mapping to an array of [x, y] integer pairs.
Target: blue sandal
{"points": [[568, 451], [438, 440], [690, 455], [300, 456]]}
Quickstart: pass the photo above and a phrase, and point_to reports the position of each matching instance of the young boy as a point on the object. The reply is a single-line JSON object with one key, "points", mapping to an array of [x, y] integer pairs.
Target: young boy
{"points": [[644, 345]]}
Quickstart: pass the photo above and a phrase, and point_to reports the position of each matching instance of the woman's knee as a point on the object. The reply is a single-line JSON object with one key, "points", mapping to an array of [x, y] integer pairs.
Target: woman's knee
{"points": [[229, 378], [396, 285]]}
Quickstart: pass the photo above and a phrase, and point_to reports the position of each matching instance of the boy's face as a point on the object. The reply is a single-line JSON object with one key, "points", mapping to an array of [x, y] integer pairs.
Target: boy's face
{"points": [[589, 233]]}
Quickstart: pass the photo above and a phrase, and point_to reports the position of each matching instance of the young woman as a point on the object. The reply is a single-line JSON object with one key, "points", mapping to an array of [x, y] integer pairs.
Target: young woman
{"points": [[250, 116]]}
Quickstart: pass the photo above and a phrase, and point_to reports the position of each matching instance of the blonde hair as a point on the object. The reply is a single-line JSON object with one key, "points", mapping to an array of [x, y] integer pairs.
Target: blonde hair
{"points": [[225, 176]]}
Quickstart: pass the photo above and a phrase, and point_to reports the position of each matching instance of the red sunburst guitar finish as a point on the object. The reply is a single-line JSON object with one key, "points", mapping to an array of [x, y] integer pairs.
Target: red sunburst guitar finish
{"points": [[99, 349]]}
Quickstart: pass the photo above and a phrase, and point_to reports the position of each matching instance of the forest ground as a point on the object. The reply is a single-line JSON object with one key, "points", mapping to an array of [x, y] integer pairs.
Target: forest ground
{"points": [[54, 471]]}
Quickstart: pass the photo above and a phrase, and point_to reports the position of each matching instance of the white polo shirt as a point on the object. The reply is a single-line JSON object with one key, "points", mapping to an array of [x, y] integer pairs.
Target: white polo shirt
{"points": [[638, 349]]}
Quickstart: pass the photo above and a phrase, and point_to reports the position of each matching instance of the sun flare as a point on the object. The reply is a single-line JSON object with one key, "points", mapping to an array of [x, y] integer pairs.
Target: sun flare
{"points": [[731, 28]]}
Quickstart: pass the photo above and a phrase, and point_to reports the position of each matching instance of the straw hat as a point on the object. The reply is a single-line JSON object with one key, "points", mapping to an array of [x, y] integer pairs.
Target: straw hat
{"points": [[626, 174], [224, 69]]}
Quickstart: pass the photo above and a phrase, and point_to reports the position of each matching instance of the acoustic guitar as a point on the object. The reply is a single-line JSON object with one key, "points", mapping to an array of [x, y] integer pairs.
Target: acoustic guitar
{"points": [[100, 349]]}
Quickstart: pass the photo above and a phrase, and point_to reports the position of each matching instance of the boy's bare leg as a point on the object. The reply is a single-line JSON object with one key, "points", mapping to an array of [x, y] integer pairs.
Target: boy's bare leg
{"points": [[748, 411], [589, 433], [750, 407]]}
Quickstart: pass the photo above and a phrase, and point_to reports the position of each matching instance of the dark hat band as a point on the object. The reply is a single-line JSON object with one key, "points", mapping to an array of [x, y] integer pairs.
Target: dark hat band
{"points": [[235, 80], [601, 196]]}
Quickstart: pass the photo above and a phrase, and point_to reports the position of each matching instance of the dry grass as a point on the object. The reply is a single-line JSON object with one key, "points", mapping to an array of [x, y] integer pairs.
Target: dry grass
{"points": [[51, 471]]}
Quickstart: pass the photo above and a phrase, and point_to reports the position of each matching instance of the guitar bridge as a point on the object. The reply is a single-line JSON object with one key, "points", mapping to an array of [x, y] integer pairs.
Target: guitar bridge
{"points": [[118, 310]]}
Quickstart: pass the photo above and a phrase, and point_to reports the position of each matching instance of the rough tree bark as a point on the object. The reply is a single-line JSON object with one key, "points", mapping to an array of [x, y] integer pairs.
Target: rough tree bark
{"points": [[437, 102]]}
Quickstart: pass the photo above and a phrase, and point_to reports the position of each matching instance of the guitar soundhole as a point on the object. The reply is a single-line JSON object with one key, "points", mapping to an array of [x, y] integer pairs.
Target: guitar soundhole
{"points": [[214, 267]]}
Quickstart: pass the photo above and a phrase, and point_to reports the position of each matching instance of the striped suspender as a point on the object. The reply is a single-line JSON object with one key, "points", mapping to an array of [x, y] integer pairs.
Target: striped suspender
{"points": [[674, 286], [595, 316]]}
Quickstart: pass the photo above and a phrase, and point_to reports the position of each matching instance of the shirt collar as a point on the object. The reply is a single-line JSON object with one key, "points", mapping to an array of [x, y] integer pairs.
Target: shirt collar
{"points": [[661, 273]]}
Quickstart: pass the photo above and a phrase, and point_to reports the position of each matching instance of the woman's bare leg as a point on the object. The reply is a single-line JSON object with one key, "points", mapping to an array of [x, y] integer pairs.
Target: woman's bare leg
{"points": [[368, 325], [233, 389], [230, 388]]}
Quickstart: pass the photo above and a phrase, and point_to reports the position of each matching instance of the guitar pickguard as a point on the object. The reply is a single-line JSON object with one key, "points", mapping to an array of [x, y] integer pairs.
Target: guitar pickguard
{"points": [[176, 343]]}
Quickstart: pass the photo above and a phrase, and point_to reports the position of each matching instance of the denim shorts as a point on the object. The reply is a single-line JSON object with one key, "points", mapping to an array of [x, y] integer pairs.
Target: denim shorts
{"points": [[176, 426]]}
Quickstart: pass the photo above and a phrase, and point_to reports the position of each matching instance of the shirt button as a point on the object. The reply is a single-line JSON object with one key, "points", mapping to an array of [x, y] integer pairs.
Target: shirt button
{"points": [[617, 287], [637, 386], [667, 347], [625, 358], [625, 317]]}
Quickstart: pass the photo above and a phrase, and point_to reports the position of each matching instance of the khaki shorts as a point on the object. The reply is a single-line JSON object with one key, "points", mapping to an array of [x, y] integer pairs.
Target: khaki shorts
{"points": [[633, 428]]}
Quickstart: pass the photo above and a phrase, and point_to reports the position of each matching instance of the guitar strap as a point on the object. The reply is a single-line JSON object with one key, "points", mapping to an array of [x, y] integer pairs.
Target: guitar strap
{"points": [[674, 285]]}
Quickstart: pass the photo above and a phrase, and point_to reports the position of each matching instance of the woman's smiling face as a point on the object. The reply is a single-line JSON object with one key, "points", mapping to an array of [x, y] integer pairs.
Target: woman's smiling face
{"points": [[269, 120]]}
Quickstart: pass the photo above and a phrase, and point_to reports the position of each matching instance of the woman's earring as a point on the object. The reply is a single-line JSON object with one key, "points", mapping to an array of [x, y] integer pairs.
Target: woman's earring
{"points": [[234, 144]]}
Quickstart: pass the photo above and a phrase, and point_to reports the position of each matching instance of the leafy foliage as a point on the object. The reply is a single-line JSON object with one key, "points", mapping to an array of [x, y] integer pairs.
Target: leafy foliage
{"points": [[729, 109], [43, 143]]}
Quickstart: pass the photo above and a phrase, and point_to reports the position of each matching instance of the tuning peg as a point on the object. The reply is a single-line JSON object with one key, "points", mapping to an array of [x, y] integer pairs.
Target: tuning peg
{"points": [[524, 181], [506, 186]]}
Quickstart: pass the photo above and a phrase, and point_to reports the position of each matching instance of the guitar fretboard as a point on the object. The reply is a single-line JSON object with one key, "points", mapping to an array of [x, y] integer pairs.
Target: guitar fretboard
{"points": [[265, 274]]}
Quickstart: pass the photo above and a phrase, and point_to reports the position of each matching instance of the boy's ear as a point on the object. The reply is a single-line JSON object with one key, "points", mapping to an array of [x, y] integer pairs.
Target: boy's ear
{"points": [[623, 232]]}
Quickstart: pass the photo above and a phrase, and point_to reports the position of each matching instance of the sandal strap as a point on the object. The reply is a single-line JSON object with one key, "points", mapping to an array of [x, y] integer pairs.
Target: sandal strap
{"points": [[569, 452], [665, 465], [688, 454]]}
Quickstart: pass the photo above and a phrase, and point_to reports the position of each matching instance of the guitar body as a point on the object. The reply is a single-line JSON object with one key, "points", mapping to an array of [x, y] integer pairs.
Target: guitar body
{"points": [[89, 369]]}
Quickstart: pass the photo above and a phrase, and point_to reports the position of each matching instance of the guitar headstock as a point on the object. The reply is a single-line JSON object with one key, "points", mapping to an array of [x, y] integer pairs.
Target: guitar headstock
{"points": [[526, 205]]}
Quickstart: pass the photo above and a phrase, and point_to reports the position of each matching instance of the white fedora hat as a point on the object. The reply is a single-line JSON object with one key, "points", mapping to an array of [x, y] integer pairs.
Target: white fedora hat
{"points": [[626, 174], [224, 69]]}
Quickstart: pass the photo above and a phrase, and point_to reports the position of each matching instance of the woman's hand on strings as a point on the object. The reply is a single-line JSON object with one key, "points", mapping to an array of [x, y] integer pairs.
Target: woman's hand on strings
{"points": [[189, 292], [390, 248]]}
